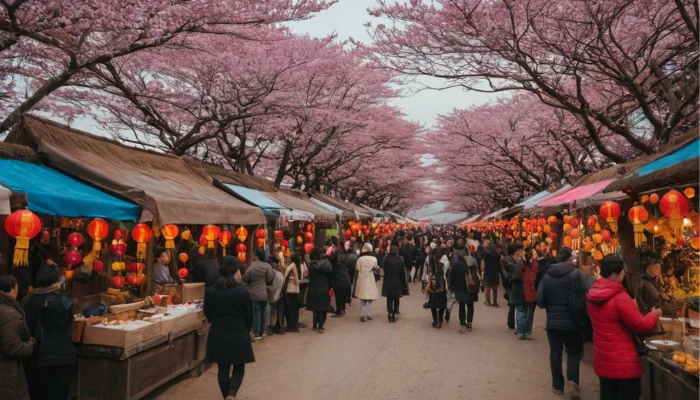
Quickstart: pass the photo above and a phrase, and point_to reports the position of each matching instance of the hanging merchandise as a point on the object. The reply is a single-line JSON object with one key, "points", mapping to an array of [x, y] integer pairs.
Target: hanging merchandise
{"points": [[279, 235], [309, 237], [610, 211], [141, 235], [23, 225], [98, 229], [638, 215], [592, 221], [308, 247], [241, 250], [75, 239], [689, 192], [170, 232], [97, 266], [605, 235], [225, 239], [117, 281], [654, 198], [674, 206], [182, 273], [211, 233], [552, 219], [242, 234], [310, 227], [73, 257], [186, 235], [183, 257]]}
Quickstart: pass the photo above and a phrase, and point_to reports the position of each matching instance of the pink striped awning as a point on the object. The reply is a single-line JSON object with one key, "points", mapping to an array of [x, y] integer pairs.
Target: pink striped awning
{"points": [[577, 193]]}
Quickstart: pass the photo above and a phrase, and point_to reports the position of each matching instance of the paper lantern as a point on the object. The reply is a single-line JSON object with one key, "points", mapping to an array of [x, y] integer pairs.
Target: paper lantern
{"points": [[549, 240], [654, 198], [118, 266], [68, 273], [300, 240], [279, 234], [23, 225], [75, 239], [97, 266], [73, 257], [638, 215], [652, 225], [118, 247], [141, 235], [202, 250], [597, 238], [674, 206], [348, 234], [242, 256], [310, 227], [260, 242], [183, 257], [309, 237], [596, 227], [567, 219], [689, 192], [134, 280], [566, 241], [610, 211], [211, 232], [575, 222], [605, 235], [575, 234], [242, 234], [547, 228], [170, 232], [98, 229], [202, 240], [186, 235], [592, 220], [225, 239], [308, 247], [118, 234], [552, 219], [132, 268], [182, 273], [241, 248], [695, 242], [117, 282], [597, 255], [260, 234], [541, 221], [567, 228], [285, 243], [644, 198]]}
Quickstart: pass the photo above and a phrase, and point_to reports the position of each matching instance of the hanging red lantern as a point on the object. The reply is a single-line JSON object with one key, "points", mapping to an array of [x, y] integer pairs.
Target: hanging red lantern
{"points": [[575, 222], [552, 219], [260, 234], [225, 240], [674, 206], [308, 247], [592, 220], [73, 257], [134, 281], [132, 268], [309, 227], [23, 225], [260, 242], [605, 235], [170, 232], [241, 248], [654, 198], [285, 243], [141, 235], [183, 257], [182, 273], [610, 211], [118, 234], [118, 247], [242, 234], [575, 234], [279, 234], [75, 239], [117, 282], [309, 237], [638, 215], [98, 230], [97, 266], [689, 192], [202, 240], [541, 221], [211, 232], [348, 234]]}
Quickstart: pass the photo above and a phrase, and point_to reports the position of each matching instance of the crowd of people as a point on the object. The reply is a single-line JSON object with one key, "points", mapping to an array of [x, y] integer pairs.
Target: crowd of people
{"points": [[448, 266]]}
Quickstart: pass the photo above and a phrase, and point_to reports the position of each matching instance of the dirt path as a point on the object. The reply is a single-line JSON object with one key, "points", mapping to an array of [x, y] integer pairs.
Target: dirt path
{"points": [[406, 360]]}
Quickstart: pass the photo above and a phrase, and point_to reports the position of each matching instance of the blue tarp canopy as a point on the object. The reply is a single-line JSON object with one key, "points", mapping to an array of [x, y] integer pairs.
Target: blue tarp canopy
{"points": [[51, 192], [270, 208], [690, 151]]}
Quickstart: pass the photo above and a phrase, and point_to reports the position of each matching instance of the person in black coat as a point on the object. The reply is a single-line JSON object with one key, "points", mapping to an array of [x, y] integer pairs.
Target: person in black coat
{"points": [[408, 252], [436, 287], [320, 282], [466, 290], [341, 278], [206, 269], [229, 308], [395, 284]]}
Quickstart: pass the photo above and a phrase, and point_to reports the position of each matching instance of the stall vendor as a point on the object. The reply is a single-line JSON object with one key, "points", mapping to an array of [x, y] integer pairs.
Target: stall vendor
{"points": [[650, 295], [161, 271]]}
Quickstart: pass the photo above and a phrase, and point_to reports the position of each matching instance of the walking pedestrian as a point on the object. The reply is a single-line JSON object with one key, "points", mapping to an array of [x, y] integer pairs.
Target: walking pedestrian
{"points": [[512, 280], [616, 322], [16, 342], [274, 291], [49, 315], [465, 283], [341, 278], [228, 306], [491, 270], [258, 277], [525, 311], [421, 255], [562, 282], [366, 282], [544, 260], [318, 298], [206, 269], [408, 253], [395, 284], [290, 291], [436, 287], [353, 251]]}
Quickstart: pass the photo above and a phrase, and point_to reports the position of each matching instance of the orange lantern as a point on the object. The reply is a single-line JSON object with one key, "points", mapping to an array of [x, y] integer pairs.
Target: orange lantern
{"points": [[242, 234], [567, 228], [674, 206], [592, 221], [567, 219], [309, 237], [211, 232], [547, 228], [566, 241], [638, 215], [644, 198], [610, 211], [552, 219], [22, 225], [224, 239], [98, 230], [170, 233], [654, 198], [695, 242], [689, 192], [575, 234], [260, 242], [549, 240], [141, 234], [186, 234], [597, 238], [183, 257], [605, 235], [597, 255], [241, 250]]}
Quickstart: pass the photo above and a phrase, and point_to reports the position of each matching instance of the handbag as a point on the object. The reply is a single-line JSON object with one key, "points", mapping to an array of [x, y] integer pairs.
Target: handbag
{"points": [[472, 283]]}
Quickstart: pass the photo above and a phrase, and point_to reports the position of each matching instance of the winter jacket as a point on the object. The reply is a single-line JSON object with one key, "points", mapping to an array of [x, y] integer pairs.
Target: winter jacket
{"points": [[230, 311], [351, 266], [554, 293], [50, 320], [529, 275], [457, 279], [542, 267], [492, 267], [613, 314], [320, 282], [206, 271], [408, 253], [395, 281], [258, 277], [649, 295], [16, 344], [340, 270], [365, 285], [513, 269]]}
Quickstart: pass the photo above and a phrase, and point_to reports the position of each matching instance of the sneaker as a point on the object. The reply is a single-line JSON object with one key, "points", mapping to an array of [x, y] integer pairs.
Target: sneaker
{"points": [[574, 390], [369, 318], [463, 329], [495, 305], [321, 330], [257, 338], [337, 315], [521, 337], [469, 327]]}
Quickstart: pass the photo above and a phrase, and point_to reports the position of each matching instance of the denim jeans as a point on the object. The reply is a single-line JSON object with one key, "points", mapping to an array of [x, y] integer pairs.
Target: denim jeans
{"points": [[259, 317], [524, 314], [573, 340]]}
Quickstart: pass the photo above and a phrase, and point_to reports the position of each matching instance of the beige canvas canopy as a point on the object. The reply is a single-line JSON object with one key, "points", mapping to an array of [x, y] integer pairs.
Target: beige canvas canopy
{"points": [[170, 190]]}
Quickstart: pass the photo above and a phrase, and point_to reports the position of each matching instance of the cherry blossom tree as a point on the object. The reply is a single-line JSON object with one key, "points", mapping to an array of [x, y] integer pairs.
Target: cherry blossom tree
{"points": [[619, 67]]}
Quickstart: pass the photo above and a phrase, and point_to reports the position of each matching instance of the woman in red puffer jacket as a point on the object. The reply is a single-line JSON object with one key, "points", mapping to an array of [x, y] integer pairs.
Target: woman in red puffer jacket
{"points": [[614, 316]]}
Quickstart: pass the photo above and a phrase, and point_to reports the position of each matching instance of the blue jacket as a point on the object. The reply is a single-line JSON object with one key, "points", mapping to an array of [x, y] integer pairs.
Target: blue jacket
{"points": [[554, 292]]}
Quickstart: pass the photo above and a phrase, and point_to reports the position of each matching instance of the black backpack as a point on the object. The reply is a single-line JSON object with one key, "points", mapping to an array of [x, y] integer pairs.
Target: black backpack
{"points": [[577, 301]]}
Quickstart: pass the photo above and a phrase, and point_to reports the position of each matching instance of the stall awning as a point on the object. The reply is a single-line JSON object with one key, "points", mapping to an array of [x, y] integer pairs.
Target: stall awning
{"points": [[269, 207], [337, 211], [542, 196], [495, 214], [295, 203], [50, 192], [349, 210], [5, 201], [375, 213], [576, 193], [169, 189]]}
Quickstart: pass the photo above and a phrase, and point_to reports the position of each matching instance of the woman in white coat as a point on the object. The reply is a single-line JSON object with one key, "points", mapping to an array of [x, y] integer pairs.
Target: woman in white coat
{"points": [[365, 283]]}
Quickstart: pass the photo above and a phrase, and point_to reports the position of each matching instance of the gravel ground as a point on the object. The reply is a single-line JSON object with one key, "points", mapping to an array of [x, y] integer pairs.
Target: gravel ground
{"points": [[406, 360]]}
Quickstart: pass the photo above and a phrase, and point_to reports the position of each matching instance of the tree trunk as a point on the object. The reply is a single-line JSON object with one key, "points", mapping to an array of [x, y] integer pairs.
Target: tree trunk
{"points": [[282, 171]]}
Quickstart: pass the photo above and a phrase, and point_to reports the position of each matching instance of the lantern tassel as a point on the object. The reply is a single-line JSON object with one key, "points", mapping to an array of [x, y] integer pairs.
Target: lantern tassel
{"points": [[639, 235], [170, 244], [21, 256], [141, 250]]}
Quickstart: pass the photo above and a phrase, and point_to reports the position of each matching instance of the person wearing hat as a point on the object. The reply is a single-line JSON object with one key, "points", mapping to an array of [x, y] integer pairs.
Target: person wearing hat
{"points": [[50, 320], [365, 282], [650, 294]]}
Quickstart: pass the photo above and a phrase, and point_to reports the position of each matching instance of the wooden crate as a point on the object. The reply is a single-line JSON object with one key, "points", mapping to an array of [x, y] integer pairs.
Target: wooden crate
{"points": [[192, 319], [106, 336], [188, 291]]}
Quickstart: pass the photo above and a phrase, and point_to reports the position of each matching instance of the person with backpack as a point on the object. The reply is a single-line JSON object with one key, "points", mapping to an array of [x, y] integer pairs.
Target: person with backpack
{"points": [[290, 291], [436, 287], [616, 321], [465, 283], [562, 293], [258, 277]]}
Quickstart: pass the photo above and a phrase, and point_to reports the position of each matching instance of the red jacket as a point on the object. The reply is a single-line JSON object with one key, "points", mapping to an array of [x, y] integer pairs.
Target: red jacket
{"points": [[613, 313], [529, 277]]}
